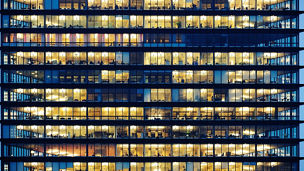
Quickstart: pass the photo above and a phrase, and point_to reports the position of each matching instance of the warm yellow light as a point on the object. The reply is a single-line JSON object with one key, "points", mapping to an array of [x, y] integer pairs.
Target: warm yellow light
{"points": [[203, 72], [189, 145], [33, 54], [246, 132], [189, 127], [104, 17], [245, 54], [62, 90], [267, 55], [273, 18], [76, 54], [231, 18], [62, 54], [34, 17], [91, 54], [132, 127], [105, 127], [76, 17], [231, 145], [217, 54], [274, 164], [189, 72], [61, 17], [19, 35], [19, 17], [231, 54], [19, 53], [133, 36], [133, 17], [19, 90], [104, 54], [189, 108]]}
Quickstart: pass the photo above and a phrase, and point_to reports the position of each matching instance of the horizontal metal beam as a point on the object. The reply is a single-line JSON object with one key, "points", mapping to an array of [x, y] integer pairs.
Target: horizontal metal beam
{"points": [[152, 12], [157, 104], [146, 30], [150, 49], [165, 122], [151, 67], [151, 159]]}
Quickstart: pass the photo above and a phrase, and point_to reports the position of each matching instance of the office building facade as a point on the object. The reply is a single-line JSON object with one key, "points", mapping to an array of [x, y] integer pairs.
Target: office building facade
{"points": [[154, 85]]}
